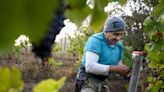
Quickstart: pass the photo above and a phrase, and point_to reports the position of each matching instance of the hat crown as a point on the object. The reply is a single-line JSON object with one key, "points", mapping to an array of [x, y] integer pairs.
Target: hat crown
{"points": [[114, 24]]}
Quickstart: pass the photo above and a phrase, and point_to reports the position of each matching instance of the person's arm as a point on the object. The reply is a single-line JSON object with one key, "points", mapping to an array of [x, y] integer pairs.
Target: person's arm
{"points": [[120, 68], [92, 65]]}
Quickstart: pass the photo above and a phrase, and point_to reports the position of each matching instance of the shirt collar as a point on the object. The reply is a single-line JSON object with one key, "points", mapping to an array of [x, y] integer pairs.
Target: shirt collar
{"points": [[100, 36]]}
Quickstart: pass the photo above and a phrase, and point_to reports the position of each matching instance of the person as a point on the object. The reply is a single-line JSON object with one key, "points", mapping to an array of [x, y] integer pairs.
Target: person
{"points": [[102, 55]]}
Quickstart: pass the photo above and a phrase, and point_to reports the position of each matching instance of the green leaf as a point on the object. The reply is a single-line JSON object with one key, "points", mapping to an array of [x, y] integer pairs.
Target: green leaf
{"points": [[150, 79], [159, 10], [148, 47], [153, 64], [78, 4], [29, 17], [154, 89], [149, 24], [98, 18], [159, 83], [160, 26], [10, 80], [16, 82], [77, 16], [78, 10], [153, 56], [49, 85], [100, 4], [4, 80]]}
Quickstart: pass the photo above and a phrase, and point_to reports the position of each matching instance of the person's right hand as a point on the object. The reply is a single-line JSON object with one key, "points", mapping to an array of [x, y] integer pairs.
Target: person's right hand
{"points": [[123, 70]]}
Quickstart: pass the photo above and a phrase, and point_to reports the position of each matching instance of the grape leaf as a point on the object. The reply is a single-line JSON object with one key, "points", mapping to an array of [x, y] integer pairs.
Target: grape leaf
{"points": [[29, 17]]}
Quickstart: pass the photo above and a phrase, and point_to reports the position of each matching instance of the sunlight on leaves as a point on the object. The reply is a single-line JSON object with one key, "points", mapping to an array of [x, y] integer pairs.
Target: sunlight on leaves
{"points": [[49, 85], [10, 80]]}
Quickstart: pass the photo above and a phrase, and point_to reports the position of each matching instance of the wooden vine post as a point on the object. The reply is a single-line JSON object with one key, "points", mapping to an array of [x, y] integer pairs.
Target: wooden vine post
{"points": [[137, 60]]}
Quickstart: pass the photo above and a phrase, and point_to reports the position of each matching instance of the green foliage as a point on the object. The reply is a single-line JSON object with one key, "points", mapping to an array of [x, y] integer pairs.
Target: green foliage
{"points": [[98, 15], [98, 18], [10, 80], [57, 48], [13, 51], [154, 27], [49, 85], [149, 24], [29, 17], [52, 61], [78, 10], [77, 44], [127, 56]]}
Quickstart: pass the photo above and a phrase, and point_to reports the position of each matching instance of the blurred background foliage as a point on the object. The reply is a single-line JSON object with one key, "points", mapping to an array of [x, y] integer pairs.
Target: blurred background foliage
{"points": [[154, 26]]}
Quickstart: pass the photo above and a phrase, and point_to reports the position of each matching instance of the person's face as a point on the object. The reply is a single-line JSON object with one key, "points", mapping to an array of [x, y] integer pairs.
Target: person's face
{"points": [[113, 37]]}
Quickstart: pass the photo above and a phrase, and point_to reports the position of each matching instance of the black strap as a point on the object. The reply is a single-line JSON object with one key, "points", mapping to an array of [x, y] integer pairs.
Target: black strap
{"points": [[98, 78], [83, 75]]}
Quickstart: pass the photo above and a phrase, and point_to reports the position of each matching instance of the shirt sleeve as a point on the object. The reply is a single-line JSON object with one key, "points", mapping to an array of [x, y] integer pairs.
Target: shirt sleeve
{"points": [[92, 65]]}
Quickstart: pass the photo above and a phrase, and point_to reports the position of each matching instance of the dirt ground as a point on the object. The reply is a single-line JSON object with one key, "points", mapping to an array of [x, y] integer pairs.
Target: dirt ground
{"points": [[29, 66]]}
